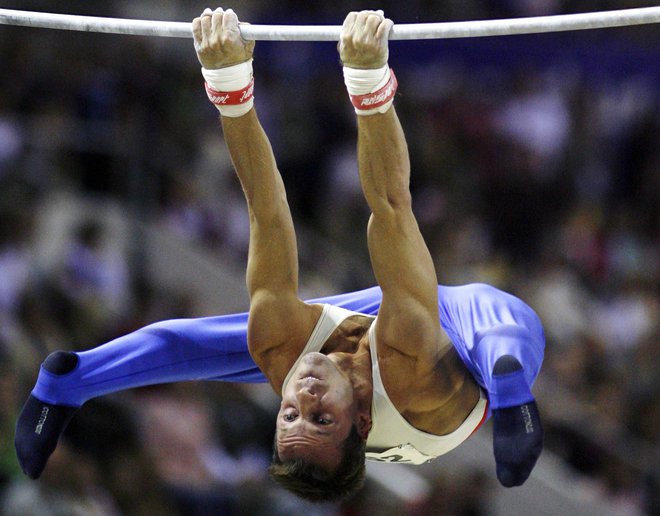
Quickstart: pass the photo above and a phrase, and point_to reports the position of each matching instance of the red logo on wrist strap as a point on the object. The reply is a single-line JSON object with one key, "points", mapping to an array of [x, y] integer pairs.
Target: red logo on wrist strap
{"points": [[230, 98], [376, 98]]}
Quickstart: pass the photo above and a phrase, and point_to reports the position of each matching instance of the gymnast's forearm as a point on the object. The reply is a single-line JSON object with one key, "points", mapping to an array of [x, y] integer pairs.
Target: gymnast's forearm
{"points": [[384, 164], [254, 162]]}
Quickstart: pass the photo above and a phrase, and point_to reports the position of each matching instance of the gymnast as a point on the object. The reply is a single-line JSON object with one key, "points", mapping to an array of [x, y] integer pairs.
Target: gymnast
{"points": [[402, 372]]}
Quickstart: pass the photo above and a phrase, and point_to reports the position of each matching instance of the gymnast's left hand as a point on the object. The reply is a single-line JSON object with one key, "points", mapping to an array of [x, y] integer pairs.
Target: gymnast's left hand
{"points": [[218, 40], [364, 39]]}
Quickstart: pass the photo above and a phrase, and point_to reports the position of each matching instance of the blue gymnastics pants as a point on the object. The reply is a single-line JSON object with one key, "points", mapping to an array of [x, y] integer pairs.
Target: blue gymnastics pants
{"points": [[215, 348]]}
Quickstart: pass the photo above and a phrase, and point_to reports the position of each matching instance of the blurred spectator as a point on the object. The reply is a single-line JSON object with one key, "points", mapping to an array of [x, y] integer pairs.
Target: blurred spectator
{"points": [[9, 393], [465, 494], [93, 272], [106, 436], [535, 122], [69, 486], [11, 142], [198, 472], [16, 254]]}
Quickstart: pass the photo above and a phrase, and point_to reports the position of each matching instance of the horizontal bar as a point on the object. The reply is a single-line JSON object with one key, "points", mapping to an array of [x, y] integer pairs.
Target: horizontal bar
{"points": [[442, 30]]}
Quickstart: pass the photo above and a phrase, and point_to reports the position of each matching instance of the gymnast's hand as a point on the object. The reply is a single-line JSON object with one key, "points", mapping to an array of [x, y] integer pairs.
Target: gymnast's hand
{"points": [[363, 41], [218, 40]]}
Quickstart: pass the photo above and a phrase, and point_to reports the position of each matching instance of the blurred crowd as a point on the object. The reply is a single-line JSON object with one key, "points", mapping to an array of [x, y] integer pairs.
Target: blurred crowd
{"points": [[538, 172]]}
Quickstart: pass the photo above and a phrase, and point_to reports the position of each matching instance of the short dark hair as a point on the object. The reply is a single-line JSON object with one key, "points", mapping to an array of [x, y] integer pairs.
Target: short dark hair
{"points": [[315, 483]]}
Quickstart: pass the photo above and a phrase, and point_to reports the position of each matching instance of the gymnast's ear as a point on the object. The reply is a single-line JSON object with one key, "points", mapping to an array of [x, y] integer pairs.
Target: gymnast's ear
{"points": [[363, 424]]}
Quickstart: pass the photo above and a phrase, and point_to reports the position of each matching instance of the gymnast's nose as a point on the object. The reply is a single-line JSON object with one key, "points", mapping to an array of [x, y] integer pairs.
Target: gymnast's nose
{"points": [[308, 397]]}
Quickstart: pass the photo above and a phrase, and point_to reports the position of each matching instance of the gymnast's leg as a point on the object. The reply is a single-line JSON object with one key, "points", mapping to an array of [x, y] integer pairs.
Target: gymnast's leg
{"points": [[211, 348], [509, 358]]}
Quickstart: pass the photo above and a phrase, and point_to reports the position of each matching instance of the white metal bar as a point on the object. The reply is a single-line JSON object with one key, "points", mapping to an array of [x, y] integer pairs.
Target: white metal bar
{"points": [[464, 29]]}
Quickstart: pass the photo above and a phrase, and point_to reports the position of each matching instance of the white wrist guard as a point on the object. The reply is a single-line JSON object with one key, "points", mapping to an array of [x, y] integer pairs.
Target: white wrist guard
{"points": [[231, 89], [371, 91]]}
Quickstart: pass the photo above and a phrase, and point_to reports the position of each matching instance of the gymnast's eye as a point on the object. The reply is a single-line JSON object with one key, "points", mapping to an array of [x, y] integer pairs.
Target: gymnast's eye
{"points": [[322, 421], [289, 417]]}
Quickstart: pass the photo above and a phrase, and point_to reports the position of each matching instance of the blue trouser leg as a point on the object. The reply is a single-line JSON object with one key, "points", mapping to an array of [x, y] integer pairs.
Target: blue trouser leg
{"points": [[516, 341], [209, 348]]}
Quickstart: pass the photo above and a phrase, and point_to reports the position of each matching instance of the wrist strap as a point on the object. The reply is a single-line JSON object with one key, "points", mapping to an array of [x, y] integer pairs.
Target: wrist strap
{"points": [[231, 89], [371, 90], [377, 98], [230, 98]]}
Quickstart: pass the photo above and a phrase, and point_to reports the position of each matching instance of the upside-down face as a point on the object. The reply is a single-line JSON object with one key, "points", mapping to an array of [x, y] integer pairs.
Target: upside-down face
{"points": [[316, 413]]}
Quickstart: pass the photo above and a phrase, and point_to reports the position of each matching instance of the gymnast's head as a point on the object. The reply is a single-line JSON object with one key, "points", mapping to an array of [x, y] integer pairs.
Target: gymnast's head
{"points": [[320, 434]]}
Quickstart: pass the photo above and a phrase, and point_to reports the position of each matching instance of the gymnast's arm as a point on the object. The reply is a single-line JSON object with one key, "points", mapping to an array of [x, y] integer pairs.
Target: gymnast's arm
{"points": [[408, 320], [279, 320]]}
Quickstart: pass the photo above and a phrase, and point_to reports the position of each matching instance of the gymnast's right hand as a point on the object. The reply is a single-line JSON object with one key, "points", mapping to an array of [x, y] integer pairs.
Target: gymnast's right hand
{"points": [[218, 40]]}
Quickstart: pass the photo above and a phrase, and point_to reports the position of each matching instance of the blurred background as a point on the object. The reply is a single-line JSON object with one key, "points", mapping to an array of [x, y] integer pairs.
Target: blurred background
{"points": [[536, 168]]}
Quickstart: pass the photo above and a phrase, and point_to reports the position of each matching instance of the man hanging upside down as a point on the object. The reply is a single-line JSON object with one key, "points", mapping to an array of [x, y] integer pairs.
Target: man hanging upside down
{"points": [[402, 372]]}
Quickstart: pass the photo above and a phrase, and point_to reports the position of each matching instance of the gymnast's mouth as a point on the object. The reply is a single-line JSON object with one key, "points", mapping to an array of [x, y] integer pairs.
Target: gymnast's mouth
{"points": [[314, 368], [307, 379]]}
